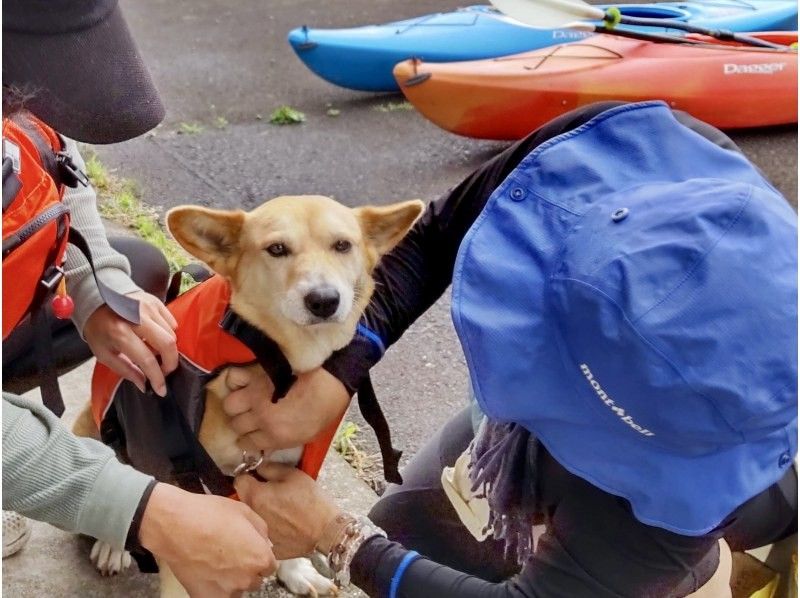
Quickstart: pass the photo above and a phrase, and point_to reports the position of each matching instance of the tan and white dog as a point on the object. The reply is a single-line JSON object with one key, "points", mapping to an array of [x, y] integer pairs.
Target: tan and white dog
{"points": [[300, 271]]}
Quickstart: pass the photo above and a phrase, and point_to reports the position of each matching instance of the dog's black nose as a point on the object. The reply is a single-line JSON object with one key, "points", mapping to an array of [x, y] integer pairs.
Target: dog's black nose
{"points": [[322, 301]]}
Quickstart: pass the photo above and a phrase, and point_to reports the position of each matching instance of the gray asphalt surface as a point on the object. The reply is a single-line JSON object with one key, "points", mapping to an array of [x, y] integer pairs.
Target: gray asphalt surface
{"points": [[213, 58]]}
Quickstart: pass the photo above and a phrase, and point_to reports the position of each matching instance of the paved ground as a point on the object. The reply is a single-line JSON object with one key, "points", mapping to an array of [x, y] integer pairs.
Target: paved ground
{"points": [[215, 58]]}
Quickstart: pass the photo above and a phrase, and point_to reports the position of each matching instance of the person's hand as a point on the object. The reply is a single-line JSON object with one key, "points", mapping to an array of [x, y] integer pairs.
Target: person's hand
{"points": [[215, 546], [130, 350], [297, 511], [314, 402]]}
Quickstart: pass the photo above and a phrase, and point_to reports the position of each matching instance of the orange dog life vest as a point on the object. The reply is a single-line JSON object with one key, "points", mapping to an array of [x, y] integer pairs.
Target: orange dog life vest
{"points": [[143, 427]]}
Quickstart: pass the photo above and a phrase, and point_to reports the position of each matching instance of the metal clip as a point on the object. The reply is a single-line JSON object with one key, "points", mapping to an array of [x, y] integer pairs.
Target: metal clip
{"points": [[52, 277], [249, 463]]}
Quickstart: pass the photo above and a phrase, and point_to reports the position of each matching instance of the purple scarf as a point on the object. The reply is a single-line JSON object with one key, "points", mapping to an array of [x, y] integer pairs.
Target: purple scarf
{"points": [[502, 469]]}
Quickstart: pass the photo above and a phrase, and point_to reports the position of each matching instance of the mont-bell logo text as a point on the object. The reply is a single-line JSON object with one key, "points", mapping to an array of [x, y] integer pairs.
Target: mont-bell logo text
{"points": [[611, 404], [764, 68]]}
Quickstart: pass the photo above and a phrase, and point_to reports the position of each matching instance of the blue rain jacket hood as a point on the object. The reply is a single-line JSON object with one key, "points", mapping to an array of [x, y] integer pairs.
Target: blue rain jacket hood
{"points": [[629, 295]]}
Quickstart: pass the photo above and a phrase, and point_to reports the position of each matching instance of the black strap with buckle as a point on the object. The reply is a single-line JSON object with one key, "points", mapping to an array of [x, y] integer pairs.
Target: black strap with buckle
{"points": [[267, 352], [125, 307]]}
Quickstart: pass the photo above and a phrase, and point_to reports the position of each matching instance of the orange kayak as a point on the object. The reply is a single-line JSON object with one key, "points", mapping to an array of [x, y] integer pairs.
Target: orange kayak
{"points": [[724, 84]]}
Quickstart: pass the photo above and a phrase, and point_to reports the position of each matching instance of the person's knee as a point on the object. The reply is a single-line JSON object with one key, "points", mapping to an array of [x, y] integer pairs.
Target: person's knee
{"points": [[406, 513], [149, 267], [383, 514]]}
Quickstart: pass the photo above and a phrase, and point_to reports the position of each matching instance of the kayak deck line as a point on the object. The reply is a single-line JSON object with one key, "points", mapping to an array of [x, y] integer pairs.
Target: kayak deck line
{"points": [[609, 55]]}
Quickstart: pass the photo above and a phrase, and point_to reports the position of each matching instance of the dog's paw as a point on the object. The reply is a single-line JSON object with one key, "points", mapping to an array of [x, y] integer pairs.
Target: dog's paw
{"points": [[108, 560], [301, 578]]}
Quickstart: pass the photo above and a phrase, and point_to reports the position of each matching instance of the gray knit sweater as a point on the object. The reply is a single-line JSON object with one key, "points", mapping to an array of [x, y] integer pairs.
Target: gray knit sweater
{"points": [[50, 475], [112, 267], [76, 484]]}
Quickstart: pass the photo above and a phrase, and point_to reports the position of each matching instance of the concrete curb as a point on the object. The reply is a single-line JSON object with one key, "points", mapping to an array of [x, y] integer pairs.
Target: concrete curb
{"points": [[56, 563]]}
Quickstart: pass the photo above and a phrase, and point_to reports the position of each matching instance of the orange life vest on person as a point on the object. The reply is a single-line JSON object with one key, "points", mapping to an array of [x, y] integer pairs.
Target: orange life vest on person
{"points": [[35, 221], [127, 419]]}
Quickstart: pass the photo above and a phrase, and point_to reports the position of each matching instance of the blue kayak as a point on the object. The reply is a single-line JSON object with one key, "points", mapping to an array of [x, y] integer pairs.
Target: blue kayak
{"points": [[362, 58]]}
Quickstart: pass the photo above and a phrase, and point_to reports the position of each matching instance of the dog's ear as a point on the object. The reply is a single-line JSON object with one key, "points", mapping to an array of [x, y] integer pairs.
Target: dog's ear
{"points": [[212, 236], [384, 226]]}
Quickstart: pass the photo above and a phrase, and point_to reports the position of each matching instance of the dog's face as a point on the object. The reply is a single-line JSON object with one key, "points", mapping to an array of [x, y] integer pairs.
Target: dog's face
{"points": [[295, 262]]}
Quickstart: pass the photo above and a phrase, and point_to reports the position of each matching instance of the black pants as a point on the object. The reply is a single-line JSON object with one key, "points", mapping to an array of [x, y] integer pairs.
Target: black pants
{"points": [[418, 515], [149, 270]]}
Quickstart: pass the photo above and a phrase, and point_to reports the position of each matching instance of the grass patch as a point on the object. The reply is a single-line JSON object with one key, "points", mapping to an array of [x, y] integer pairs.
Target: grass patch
{"points": [[286, 115], [118, 200], [394, 106], [368, 467], [191, 128], [220, 122]]}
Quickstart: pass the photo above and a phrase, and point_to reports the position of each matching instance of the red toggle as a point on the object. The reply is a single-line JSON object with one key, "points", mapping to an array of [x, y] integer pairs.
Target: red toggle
{"points": [[63, 305]]}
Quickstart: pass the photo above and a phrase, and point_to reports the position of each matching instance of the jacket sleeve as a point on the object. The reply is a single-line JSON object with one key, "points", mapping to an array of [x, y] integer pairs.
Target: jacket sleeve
{"points": [[411, 277], [112, 267], [572, 559], [76, 484]]}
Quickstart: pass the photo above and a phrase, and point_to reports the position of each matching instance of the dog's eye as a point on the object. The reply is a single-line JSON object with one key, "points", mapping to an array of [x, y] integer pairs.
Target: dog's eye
{"points": [[342, 246], [278, 250]]}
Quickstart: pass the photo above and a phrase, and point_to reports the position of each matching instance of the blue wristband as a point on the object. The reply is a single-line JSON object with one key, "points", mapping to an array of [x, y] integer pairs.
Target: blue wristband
{"points": [[409, 558], [372, 337]]}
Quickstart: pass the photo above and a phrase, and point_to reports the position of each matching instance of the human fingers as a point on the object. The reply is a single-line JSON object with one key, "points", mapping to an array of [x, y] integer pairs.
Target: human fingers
{"points": [[153, 306], [246, 487], [262, 562], [244, 423], [140, 354], [162, 340], [167, 315], [275, 472], [238, 377], [236, 403], [123, 367], [257, 522], [255, 442]]}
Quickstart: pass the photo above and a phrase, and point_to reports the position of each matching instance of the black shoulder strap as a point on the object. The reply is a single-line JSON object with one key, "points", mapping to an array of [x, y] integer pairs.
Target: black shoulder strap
{"points": [[122, 305], [371, 410], [125, 307], [267, 352], [196, 272]]}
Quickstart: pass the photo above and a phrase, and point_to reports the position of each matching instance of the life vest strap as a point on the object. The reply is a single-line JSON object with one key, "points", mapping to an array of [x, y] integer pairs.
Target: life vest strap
{"points": [[267, 352], [193, 468], [371, 410], [125, 307], [197, 273]]}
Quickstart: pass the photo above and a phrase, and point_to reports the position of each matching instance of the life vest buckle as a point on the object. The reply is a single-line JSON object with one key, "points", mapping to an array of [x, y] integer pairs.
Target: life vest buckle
{"points": [[69, 174], [52, 277]]}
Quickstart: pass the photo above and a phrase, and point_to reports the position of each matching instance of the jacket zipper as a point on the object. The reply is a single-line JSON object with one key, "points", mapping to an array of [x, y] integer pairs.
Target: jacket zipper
{"points": [[23, 234]]}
